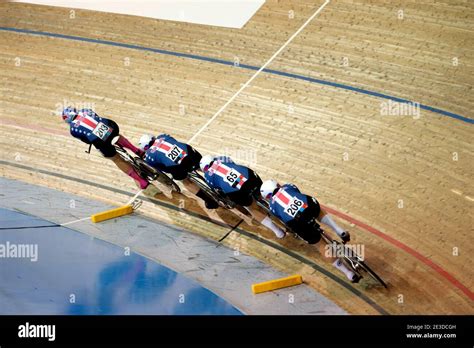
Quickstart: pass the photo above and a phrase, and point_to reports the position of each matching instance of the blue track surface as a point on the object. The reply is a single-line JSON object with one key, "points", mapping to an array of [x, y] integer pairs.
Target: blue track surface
{"points": [[242, 66], [102, 279]]}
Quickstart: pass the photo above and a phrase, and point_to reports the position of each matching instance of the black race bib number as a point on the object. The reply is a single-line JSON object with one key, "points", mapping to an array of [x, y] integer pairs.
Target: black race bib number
{"points": [[294, 207], [174, 153], [231, 177], [102, 131]]}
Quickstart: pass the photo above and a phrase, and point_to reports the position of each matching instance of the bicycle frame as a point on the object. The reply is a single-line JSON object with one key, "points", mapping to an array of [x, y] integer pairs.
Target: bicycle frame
{"points": [[200, 181], [146, 171], [124, 154], [352, 260]]}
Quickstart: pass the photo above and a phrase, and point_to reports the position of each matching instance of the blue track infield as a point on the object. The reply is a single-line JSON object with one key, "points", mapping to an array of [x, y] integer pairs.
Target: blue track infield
{"points": [[242, 66], [73, 273]]}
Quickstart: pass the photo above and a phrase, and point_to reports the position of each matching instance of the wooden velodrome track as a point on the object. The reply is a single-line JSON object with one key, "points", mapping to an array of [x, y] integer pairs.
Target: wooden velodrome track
{"points": [[402, 185]]}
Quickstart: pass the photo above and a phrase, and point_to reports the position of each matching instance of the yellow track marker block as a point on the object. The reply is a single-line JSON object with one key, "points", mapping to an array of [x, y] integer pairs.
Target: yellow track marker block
{"points": [[277, 284], [112, 213]]}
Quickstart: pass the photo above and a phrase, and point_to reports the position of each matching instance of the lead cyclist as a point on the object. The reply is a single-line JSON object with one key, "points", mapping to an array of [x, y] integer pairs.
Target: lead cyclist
{"points": [[297, 210], [92, 129]]}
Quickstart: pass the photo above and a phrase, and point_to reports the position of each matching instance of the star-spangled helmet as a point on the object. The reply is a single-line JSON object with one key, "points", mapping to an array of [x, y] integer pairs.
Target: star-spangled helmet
{"points": [[69, 114]]}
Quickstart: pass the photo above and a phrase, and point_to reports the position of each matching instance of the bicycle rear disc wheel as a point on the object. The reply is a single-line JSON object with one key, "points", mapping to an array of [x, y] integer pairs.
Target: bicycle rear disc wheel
{"points": [[153, 174], [165, 179], [200, 182]]}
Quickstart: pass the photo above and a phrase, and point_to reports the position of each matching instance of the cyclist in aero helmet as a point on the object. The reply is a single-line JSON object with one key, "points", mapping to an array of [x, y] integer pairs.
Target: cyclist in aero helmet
{"points": [[297, 210], [165, 153], [239, 184], [90, 128]]}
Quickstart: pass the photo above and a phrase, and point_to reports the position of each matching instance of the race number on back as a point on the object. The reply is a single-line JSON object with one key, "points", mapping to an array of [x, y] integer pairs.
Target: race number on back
{"points": [[294, 207], [231, 176], [174, 153], [102, 131]]}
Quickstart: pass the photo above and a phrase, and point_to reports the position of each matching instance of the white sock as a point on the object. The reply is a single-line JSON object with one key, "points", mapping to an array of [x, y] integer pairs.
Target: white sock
{"points": [[330, 222], [343, 268], [267, 222]]}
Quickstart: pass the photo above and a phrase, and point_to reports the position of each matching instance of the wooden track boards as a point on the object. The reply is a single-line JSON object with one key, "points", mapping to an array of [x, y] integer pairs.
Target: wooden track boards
{"points": [[288, 123]]}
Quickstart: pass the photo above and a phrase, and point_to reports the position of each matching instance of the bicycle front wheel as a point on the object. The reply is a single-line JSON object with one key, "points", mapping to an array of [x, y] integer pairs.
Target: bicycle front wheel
{"points": [[370, 272]]}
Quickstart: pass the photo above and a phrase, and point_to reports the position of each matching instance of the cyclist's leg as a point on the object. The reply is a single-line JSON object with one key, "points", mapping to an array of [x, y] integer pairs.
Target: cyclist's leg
{"points": [[334, 255], [260, 215], [245, 198], [191, 186], [326, 219], [129, 170], [330, 251], [108, 151], [180, 172], [121, 140], [341, 266], [198, 192], [125, 143]]}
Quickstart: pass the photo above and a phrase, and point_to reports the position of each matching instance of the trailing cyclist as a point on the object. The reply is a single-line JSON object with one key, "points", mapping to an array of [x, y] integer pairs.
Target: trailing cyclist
{"points": [[239, 184], [298, 211], [165, 153], [92, 129]]}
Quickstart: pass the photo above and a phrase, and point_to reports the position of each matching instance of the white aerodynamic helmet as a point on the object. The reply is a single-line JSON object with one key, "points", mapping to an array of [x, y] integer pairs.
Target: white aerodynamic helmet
{"points": [[145, 141], [268, 188], [205, 162]]}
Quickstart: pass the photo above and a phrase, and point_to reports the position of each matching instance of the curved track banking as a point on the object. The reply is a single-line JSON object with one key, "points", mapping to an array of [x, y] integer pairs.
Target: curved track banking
{"points": [[346, 217], [250, 235], [352, 157], [242, 66], [276, 246]]}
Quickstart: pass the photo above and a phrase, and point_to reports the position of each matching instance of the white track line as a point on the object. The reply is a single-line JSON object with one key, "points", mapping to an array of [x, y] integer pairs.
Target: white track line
{"points": [[258, 72], [75, 221], [88, 217], [134, 197]]}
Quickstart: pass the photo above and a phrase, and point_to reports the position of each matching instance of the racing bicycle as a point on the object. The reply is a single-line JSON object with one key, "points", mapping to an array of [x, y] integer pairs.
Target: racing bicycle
{"points": [[348, 255], [143, 169], [151, 174], [146, 171], [217, 196]]}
